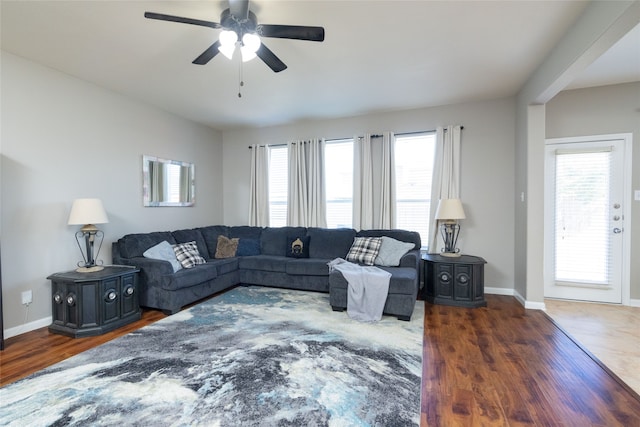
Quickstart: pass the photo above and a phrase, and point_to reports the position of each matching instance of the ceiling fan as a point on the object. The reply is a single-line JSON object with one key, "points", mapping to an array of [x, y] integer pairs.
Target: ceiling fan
{"points": [[240, 25]]}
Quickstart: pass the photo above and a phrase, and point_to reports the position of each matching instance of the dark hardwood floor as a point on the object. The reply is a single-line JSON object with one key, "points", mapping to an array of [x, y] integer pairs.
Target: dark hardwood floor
{"points": [[500, 365]]}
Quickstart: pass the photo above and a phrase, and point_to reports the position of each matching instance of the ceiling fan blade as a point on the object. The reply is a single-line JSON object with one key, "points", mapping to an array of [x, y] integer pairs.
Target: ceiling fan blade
{"points": [[239, 9], [297, 32], [162, 17], [208, 54], [270, 59]]}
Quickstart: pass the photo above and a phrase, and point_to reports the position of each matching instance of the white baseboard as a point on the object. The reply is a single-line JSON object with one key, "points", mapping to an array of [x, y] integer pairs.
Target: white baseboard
{"points": [[27, 327], [507, 291], [499, 291], [634, 303]]}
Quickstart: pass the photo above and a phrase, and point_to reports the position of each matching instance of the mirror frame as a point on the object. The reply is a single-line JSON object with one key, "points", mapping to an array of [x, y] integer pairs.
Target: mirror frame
{"points": [[146, 182]]}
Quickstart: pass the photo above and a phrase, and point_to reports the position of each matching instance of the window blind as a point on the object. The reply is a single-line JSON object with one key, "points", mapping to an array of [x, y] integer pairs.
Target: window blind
{"points": [[339, 182], [414, 158], [582, 211], [278, 186]]}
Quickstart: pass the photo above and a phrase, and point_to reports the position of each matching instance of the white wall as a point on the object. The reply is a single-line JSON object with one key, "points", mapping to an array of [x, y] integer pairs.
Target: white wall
{"points": [[62, 139], [487, 169], [599, 111]]}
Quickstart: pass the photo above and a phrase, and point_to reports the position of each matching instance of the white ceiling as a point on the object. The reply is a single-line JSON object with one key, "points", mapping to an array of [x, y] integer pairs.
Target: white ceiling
{"points": [[377, 55]]}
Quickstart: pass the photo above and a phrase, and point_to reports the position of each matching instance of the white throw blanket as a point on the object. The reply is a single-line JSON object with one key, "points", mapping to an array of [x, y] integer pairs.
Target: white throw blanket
{"points": [[367, 289]]}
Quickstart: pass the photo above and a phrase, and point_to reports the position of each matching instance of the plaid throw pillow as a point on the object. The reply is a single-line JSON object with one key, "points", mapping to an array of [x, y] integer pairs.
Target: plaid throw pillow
{"points": [[364, 250], [188, 255]]}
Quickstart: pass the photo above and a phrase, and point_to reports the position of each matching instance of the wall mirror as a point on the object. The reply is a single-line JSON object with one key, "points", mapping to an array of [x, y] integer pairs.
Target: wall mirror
{"points": [[167, 182]]}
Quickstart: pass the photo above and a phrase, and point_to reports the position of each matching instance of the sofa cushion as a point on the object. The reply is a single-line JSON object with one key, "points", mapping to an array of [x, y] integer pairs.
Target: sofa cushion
{"points": [[245, 232], [225, 265], [248, 247], [330, 243], [134, 245], [264, 263], [188, 277], [188, 255], [402, 235], [163, 251], [210, 235], [403, 280], [226, 247], [192, 235], [307, 267], [391, 251], [364, 250], [297, 247], [273, 241]]}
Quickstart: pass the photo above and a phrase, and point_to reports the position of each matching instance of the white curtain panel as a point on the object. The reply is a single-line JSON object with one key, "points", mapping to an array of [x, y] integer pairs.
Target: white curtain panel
{"points": [[446, 177], [362, 183], [387, 206], [259, 186], [306, 205], [374, 201], [185, 184], [156, 179]]}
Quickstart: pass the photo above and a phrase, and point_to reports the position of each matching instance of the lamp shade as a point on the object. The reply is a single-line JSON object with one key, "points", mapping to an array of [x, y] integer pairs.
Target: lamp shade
{"points": [[450, 209], [87, 211]]}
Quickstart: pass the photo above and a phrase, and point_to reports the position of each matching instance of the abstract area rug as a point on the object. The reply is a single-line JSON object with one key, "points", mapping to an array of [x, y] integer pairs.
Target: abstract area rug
{"points": [[251, 356]]}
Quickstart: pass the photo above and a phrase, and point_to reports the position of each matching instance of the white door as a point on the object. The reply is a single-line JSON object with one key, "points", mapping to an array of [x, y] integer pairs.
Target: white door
{"points": [[585, 211]]}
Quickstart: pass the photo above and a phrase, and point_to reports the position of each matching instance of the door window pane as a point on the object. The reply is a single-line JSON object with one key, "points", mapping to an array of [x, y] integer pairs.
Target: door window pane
{"points": [[582, 217]]}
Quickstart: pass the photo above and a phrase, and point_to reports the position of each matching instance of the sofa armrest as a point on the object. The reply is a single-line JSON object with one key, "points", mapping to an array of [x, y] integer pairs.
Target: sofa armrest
{"points": [[158, 266], [153, 272], [411, 259]]}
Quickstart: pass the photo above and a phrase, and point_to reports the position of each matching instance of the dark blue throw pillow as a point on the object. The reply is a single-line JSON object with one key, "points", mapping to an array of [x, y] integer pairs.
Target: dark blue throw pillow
{"points": [[298, 247], [248, 247]]}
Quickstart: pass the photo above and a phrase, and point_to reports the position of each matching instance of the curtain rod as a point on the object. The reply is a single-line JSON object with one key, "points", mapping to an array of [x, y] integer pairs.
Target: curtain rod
{"points": [[373, 136]]}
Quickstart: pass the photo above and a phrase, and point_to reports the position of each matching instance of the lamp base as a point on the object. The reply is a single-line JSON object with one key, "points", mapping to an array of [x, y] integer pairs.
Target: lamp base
{"points": [[90, 269], [451, 254]]}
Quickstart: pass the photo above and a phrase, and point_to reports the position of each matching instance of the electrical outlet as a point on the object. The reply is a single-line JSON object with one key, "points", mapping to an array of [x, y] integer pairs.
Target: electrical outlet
{"points": [[27, 297]]}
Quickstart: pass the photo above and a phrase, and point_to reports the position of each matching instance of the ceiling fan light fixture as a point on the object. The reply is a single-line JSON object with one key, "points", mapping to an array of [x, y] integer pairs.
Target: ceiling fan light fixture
{"points": [[228, 41], [228, 38], [247, 54], [227, 50], [251, 41]]}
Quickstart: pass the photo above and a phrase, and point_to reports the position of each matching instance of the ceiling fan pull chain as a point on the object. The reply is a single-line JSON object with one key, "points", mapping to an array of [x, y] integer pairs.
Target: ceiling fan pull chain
{"points": [[241, 81]]}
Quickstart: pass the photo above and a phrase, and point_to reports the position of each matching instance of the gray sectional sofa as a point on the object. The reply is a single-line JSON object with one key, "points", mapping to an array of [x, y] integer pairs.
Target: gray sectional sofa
{"points": [[264, 263]]}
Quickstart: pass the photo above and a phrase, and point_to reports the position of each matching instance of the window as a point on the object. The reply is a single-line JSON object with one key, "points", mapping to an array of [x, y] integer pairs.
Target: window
{"points": [[278, 186], [339, 182], [414, 159]]}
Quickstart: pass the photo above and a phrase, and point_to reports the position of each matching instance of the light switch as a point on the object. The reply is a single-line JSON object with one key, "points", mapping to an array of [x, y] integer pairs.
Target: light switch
{"points": [[636, 195]]}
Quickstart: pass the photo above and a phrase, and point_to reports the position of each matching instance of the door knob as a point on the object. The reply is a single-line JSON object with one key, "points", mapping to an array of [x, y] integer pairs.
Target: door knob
{"points": [[617, 230]]}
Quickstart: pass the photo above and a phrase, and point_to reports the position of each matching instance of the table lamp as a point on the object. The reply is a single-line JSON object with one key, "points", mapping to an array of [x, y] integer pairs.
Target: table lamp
{"points": [[88, 212], [448, 213]]}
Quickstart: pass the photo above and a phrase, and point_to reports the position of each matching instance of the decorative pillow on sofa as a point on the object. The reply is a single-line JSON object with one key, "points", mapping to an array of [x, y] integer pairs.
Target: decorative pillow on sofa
{"points": [[163, 251], [391, 251], [364, 250], [248, 247], [226, 247], [188, 254], [298, 247]]}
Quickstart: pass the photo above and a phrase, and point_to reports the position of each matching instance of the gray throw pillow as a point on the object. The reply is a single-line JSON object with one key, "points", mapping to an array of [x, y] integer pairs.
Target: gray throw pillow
{"points": [[391, 251], [163, 251]]}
